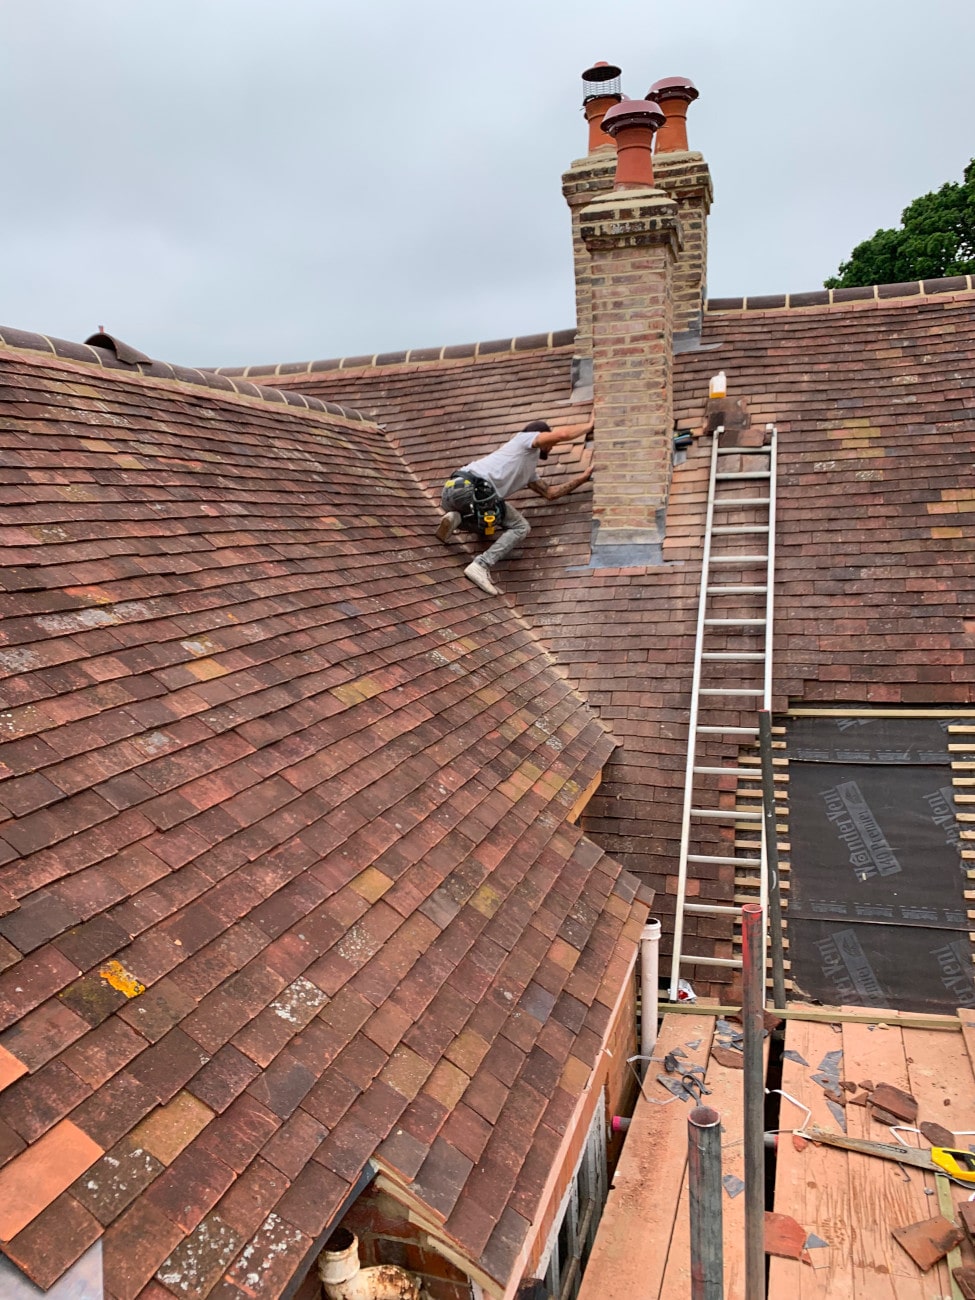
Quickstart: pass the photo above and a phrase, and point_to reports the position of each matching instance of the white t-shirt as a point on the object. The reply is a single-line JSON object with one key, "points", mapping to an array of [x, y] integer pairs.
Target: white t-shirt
{"points": [[512, 467]]}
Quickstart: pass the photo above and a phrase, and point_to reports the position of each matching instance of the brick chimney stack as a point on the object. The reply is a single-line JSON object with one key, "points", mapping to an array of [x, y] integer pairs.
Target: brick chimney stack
{"points": [[684, 175], [633, 238], [585, 178]]}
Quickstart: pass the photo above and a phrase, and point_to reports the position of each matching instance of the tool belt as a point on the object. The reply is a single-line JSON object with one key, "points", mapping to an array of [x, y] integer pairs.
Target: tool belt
{"points": [[480, 508]]}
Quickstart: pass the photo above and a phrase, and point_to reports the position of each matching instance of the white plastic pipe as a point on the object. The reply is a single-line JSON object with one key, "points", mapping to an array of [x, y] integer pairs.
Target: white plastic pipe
{"points": [[343, 1278], [649, 967]]}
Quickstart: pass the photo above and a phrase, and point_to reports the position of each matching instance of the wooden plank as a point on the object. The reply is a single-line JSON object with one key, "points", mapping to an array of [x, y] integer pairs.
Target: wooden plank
{"points": [[726, 1084], [941, 1079], [947, 1207], [966, 1018], [884, 713], [630, 1251], [884, 1195], [826, 1015], [811, 1185]]}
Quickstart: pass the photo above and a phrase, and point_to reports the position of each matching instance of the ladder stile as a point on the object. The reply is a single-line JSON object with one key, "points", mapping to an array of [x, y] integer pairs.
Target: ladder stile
{"points": [[692, 729], [740, 615]]}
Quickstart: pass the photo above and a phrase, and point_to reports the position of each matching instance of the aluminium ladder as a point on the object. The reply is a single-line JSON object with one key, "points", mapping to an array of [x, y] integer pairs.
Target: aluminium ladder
{"points": [[732, 678]]}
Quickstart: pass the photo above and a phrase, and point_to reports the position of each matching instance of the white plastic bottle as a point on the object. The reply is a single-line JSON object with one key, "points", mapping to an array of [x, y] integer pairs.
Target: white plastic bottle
{"points": [[719, 385]]}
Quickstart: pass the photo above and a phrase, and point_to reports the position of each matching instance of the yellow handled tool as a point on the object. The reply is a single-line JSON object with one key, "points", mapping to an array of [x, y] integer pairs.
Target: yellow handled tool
{"points": [[957, 1164]]}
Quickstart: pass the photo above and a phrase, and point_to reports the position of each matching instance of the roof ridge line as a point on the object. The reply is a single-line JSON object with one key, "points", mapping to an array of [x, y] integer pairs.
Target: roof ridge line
{"points": [[16, 340], [949, 284], [446, 352]]}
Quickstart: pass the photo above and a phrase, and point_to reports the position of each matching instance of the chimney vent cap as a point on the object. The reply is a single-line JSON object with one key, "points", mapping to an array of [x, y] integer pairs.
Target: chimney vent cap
{"points": [[601, 79], [633, 112], [673, 88]]}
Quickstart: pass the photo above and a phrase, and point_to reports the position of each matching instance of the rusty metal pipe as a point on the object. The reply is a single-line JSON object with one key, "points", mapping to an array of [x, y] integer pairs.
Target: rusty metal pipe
{"points": [[753, 1024], [704, 1194]]}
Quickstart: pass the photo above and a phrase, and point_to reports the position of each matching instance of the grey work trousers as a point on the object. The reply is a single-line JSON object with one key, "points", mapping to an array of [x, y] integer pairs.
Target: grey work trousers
{"points": [[516, 529]]}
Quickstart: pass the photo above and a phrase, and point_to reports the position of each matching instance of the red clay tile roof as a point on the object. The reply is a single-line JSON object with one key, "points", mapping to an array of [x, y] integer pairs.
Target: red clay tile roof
{"points": [[874, 401], [286, 876]]}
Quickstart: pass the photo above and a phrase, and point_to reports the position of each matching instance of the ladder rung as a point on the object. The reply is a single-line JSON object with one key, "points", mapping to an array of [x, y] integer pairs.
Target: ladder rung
{"points": [[745, 451], [737, 590], [726, 731], [733, 690], [711, 909], [734, 622], [729, 656], [728, 529], [739, 559], [728, 814], [731, 503], [724, 862], [744, 473], [742, 773], [733, 962]]}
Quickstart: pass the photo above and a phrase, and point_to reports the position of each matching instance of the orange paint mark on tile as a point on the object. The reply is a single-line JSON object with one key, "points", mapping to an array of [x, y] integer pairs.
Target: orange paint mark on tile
{"points": [[10, 1068], [32, 1180], [114, 973]]}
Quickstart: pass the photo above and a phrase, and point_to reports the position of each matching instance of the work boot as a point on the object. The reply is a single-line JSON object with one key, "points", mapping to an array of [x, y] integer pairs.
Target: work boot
{"points": [[448, 526], [480, 577]]}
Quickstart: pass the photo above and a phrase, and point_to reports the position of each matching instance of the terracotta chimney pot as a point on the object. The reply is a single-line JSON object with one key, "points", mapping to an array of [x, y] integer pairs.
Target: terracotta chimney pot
{"points": [[632, 123], [673, 94], [601, 90]]}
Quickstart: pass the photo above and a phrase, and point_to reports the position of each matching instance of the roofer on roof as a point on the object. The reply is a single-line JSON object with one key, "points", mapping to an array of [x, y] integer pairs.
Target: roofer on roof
{"points": [[475, 497]]}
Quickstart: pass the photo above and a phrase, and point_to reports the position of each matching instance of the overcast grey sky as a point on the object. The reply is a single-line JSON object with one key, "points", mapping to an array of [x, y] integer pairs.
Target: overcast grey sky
{"points": [[228, 181]]}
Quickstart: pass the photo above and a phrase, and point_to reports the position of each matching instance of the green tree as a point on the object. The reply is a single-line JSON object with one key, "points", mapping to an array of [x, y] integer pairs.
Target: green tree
{"points": [[936, 237]]}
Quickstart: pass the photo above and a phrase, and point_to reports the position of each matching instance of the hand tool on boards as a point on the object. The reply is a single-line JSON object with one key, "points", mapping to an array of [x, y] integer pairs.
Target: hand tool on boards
{"points": [[956, 1164]]}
